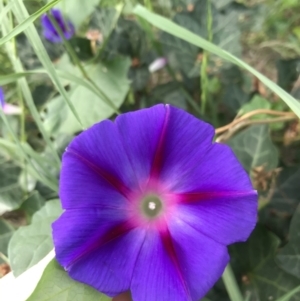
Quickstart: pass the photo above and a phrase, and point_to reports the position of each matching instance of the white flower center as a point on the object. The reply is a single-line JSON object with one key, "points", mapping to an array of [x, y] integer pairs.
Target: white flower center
{"points": [[151, 206]]}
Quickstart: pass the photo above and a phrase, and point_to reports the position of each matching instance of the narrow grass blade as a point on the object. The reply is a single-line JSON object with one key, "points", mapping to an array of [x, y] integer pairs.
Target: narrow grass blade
{"points": [[11, 78], [289, 295], [27, 22], [51, 184], [26, 90], [5, 10], [21, 14], [231, 285], [182, 33]]}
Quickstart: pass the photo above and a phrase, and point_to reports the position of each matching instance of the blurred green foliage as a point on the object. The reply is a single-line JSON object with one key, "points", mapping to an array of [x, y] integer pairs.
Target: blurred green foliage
{"points": [[104, 70]]}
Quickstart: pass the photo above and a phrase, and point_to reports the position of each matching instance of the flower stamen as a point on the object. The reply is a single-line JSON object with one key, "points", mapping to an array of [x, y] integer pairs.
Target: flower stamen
{"points": [[151, 206]]}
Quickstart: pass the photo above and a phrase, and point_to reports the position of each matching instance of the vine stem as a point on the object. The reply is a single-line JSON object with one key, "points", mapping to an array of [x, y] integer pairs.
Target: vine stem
{"points": [[231, 285], [245, 123], [4, 258], [238, 120], [204, 63]]}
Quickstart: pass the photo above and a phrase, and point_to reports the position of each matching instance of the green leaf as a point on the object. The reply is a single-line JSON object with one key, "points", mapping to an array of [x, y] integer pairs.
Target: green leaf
{"points": [[289, 255], [33, 203], [234, 96], [288, 73], [38, 167], [139, 77], [254, 263], [27, 182], [6, 231], [11, 194], [180, 32], [183, 55], [169, 93], [235, 89], [56, 285], [256, 103], [77, 10], [105, 19], [82, 48], [111, 77], [284, 202], [254, 148], [220, 4], [30, 244], [227, 34]]}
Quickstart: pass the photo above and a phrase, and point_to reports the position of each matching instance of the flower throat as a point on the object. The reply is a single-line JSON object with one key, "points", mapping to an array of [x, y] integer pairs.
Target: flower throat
{"points": [[151, 206]]}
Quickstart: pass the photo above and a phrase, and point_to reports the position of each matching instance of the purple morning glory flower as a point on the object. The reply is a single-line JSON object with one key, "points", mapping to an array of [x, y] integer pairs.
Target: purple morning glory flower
{"points": [[151, 205], [49, 30], [8, 109]]}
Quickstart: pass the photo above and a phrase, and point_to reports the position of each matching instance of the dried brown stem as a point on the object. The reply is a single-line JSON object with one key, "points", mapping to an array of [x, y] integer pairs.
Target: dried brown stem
{"points": [[236, 126], [251, 114]]}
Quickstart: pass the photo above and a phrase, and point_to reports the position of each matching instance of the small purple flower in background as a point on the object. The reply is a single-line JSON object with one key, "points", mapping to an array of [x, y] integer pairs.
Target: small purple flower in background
{"points": [[151, 205], [49, 30], [158, 64], [2, 98], [8, 109]]}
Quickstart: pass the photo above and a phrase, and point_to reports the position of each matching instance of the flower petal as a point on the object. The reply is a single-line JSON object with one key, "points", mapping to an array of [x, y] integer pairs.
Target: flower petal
{"points": [[202, 260], [69, 30], [10, 109], [140, 132], [217, 197], [96, 160], [50, 31], [157, 64], [217, 171], [181, 265], [97, 248], [51, 36], [224, 218], [155, 277], [185, 142], [82, 187], [57, 14], [46, 23], [2, 98]]}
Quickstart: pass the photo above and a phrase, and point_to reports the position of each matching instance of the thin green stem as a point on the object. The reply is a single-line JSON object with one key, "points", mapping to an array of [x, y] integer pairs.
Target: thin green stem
{"points": [[4, 258], [11, 51], [203, 82], [171, 72], [19, 91], [37, 174], [204, 64], [22, 115], [27, 94], [231, 285], [131, 97], [20, 96]]}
